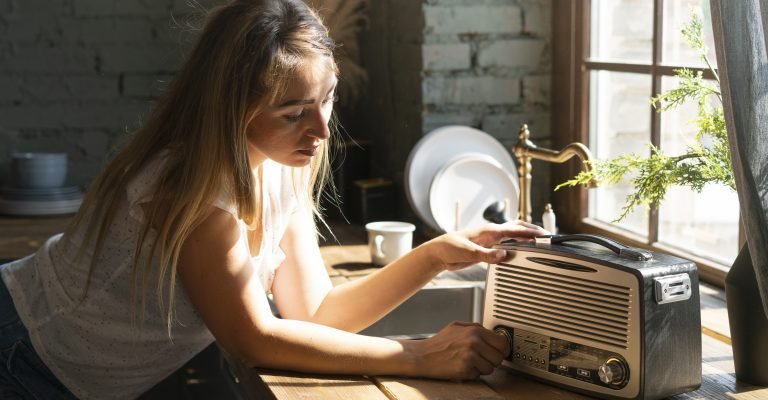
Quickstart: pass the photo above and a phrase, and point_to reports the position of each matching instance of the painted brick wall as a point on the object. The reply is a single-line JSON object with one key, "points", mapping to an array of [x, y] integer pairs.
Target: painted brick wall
{"points": [[78, 75]]}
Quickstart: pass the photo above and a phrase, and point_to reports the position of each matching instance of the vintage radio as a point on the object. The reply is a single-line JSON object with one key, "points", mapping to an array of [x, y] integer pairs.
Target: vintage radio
{"points": [[592, 315]]}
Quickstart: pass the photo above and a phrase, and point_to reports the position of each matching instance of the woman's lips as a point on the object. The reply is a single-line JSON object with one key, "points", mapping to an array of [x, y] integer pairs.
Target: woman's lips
{"points": [[310, 151]]}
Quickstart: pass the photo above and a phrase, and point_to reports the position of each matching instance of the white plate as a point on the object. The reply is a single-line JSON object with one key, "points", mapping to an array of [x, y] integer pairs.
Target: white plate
{"points": [[438, 147], [19, 193], [465, 187], [24, 207]]}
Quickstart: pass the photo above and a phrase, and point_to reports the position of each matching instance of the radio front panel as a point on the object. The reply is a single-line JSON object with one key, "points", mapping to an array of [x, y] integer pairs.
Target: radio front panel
{"points": [[571, 322]]}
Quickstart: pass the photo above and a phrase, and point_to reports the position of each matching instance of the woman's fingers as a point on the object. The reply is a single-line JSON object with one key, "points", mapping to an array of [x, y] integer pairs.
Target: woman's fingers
{"points": [[495, 346], [492, 234], [478, 254], [464, 351], [499, 342], [530, 225], [482, 364], [522, 228], [460, 249]]}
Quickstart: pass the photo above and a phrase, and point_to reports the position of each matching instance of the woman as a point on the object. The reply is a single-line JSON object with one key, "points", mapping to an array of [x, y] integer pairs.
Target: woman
{"points": [[218, 190]]}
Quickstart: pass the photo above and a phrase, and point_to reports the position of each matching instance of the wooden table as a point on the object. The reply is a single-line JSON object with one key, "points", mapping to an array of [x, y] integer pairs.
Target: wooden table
{"points": [[21, 236]]}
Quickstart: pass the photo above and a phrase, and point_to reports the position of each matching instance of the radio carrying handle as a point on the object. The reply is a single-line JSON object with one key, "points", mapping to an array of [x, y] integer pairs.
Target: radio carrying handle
{"points": [[620, 249]]}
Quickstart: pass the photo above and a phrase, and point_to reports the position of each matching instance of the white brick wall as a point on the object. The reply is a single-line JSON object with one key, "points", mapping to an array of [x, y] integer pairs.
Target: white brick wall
{"points": [[506, 126], [536, 91], [446, 56], [524, 53], [471, 90], [437, 120], [491, 56], [472, 19]]}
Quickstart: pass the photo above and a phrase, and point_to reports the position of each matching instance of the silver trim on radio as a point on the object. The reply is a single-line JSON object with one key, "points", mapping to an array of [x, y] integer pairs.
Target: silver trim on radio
{"points": [[671, 288]]}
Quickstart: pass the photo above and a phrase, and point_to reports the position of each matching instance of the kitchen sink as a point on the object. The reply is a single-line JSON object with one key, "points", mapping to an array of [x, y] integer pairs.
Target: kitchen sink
{"points": [[430, 310]]}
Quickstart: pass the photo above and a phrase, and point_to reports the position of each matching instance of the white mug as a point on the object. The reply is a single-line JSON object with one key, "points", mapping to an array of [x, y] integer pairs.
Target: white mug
{"points": [[388, 240]]}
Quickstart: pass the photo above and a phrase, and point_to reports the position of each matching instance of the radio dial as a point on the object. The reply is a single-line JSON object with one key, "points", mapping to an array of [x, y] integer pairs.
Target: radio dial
{"points": [[612, 372], [507, 335]]}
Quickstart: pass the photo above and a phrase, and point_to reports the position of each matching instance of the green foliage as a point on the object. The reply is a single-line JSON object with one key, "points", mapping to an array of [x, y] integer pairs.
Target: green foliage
{"points": [[706, 161]]}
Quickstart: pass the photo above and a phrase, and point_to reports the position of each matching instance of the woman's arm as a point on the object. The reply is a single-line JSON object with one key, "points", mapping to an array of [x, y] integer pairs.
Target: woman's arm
{"points": [[218, 277], [303, 291]]}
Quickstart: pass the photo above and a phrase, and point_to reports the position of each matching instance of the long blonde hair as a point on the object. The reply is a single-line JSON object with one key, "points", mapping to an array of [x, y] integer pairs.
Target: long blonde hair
{"points": [[244, 57]]}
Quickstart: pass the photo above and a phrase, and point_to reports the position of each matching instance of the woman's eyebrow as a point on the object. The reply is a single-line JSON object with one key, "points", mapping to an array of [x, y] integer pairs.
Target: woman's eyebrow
{"points": [[301, 102], [296, 102]]}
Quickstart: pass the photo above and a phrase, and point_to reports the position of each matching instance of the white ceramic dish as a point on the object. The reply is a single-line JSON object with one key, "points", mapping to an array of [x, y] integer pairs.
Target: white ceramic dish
{"points": [[25, 207], [465, 187], [438, 147], [41, 194]]}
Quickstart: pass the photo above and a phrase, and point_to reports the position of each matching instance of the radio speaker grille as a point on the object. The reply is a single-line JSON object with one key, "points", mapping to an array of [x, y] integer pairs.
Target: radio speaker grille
{"points": [[564, 304]]}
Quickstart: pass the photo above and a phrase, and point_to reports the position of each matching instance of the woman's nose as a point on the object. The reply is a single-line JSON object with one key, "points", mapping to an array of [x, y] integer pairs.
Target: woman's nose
{"points": [[319, 125]]}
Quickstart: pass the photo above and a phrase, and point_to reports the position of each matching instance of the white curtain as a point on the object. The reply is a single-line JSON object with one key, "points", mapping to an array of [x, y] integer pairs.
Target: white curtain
{"points": [[741, 35]]}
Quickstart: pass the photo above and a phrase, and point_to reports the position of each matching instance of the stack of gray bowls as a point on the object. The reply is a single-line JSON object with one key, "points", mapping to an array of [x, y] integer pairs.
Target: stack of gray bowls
{"points": [[38, 186]]}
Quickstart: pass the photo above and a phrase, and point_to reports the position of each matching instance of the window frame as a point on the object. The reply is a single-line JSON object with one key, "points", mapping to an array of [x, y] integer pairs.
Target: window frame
{"points": [[570, 122]]}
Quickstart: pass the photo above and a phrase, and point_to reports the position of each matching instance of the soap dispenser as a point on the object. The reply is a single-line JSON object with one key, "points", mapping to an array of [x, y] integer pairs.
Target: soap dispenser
{"points": [[548, 219]]}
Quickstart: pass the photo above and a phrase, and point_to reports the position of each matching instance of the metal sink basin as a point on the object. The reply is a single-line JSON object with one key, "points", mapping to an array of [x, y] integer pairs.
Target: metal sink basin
{"points": [[430, 310]]}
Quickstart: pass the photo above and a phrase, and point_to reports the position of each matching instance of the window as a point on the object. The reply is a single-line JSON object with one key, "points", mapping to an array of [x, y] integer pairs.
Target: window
{"points": [[610, 58]]}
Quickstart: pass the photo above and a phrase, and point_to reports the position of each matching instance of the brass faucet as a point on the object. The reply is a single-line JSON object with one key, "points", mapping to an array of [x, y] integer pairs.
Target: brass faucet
{"points": [[525, 151]]}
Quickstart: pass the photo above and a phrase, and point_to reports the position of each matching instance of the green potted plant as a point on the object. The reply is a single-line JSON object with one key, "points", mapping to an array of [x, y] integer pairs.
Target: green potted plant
{"points": [[707, 161]]}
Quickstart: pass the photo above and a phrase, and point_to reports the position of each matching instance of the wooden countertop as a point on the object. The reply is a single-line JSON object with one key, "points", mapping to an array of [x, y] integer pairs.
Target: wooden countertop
{"points": [[718, 376], [22, 236]]}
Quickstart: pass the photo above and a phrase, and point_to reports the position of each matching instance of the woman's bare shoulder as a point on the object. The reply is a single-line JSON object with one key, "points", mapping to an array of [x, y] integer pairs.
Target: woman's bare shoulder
{"points": [[215, 242]]}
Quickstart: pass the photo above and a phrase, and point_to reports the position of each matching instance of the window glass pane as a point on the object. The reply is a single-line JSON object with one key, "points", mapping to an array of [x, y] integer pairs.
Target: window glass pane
{"points": [[706, 223], [678, 125], [619, 124], [675, 49], [622, 30]]}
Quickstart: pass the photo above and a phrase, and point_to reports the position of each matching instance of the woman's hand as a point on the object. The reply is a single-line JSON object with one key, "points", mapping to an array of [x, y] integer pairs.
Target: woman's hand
{"points": [[460, 249], [461, 350]]}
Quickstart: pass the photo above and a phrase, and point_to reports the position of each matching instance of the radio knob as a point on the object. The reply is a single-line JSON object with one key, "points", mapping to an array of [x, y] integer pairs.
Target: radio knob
{"points": [[499, 330], [612, 372]]}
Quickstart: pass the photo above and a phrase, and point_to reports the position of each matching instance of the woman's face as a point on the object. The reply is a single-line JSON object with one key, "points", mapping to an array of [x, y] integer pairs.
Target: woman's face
{"points": [[291, 130]]}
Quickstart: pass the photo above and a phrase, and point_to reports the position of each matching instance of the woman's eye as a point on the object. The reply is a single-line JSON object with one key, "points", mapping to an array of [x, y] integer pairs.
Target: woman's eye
{"points": [[295, 117], [331, 99]]}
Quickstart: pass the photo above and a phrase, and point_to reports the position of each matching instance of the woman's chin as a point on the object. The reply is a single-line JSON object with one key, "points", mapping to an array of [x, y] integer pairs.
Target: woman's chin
{"points": [[294, 161]]}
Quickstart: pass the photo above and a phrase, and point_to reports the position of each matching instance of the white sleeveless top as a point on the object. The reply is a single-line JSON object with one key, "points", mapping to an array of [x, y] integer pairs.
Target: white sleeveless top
{"points": [[94, 347]]}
